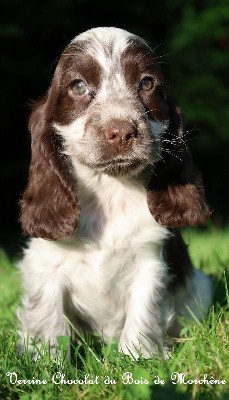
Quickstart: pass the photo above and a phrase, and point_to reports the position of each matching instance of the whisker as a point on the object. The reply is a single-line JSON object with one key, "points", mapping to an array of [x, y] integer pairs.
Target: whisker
{"points": [[162, 56], [174, 155]]}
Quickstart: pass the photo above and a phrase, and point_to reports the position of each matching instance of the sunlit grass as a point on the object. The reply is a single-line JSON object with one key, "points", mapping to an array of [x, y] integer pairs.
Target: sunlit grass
{"points": [[209, 249], [100, 372]]}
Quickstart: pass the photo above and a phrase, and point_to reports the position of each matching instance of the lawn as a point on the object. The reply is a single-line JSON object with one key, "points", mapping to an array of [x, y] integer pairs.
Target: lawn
{"points": [[198, 367]]}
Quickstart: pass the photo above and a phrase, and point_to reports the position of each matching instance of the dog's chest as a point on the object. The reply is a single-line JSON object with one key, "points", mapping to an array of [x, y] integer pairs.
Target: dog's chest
{"points": [[99, 287], [101, 283], [115, 231], [115, 214]]}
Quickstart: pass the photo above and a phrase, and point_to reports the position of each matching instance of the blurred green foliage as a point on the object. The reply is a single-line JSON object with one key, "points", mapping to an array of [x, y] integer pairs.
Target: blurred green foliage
{"points": [[198, 47]]}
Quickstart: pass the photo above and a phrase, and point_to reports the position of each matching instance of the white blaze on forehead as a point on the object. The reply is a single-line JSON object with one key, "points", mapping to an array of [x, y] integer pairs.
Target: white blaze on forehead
{"points": [[105, 44]]}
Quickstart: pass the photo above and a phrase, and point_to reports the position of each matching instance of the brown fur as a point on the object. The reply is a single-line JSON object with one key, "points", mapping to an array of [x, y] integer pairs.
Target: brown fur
{"points": [[49, 207], [175, 192]]}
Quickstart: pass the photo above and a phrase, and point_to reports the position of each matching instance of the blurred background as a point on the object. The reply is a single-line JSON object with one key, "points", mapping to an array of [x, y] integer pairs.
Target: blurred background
{"points": [[188, 36]]}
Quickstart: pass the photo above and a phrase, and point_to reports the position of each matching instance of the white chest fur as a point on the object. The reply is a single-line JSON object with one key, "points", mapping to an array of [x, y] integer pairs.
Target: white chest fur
{"points": [[114, 260]]}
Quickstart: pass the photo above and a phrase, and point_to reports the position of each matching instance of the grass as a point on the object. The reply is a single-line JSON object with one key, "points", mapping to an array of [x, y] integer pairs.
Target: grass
{"points": [[100, 372]]}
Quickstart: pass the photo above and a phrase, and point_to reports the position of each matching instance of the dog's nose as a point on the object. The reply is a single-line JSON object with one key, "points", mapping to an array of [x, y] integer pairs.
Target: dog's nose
{"points": [[120, 133]]}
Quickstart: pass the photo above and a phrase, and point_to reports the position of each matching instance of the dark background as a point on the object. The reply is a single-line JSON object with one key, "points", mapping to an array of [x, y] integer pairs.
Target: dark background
{"points": [[190, 38]]}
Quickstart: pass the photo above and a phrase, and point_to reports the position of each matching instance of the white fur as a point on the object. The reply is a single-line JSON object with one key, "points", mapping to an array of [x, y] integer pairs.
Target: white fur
{"points": [[113, 268], [102, 38]]}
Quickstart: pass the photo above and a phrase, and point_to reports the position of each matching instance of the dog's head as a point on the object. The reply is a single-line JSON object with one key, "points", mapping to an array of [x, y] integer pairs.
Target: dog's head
{"points": [[108, 109]]}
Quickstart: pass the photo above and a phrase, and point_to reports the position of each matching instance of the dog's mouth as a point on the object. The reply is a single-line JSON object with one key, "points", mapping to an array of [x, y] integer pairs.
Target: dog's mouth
{"points": [[121, 166]]}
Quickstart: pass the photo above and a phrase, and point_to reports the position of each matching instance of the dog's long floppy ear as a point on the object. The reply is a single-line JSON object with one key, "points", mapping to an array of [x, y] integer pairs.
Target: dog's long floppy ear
{"points": [[49, 206], [175, 193]]}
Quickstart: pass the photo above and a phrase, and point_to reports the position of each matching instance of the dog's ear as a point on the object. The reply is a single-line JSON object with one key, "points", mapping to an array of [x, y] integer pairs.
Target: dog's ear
{"points": [[49, 206], [175, 192]]}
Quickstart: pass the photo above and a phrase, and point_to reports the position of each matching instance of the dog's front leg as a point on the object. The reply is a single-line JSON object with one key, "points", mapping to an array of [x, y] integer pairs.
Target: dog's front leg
{"points": [[41, 316], [146, 310]]}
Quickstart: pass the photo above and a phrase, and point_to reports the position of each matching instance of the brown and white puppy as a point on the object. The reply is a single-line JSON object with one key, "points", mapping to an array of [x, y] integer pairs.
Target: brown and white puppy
{"points": [[110, 176]]}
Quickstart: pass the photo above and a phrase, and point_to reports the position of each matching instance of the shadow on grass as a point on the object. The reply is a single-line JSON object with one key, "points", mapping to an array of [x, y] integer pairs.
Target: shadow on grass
{"points": [[219, 289]]}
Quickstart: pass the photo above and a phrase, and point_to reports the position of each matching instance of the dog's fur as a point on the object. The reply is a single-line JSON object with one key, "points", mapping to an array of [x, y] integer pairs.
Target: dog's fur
{"points": [[111, 179]]}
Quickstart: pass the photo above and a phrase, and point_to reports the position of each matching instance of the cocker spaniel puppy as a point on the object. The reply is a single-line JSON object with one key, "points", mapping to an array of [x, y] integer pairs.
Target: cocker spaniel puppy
{"points": [[111, 179]]}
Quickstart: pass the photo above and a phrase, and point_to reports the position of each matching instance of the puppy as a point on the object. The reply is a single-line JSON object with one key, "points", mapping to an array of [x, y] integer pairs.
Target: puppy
{"points": [[111, 180]]}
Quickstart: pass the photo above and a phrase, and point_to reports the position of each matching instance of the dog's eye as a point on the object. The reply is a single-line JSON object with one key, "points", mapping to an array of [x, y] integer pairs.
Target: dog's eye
{"points": [[80, 87], [146, 84]]}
